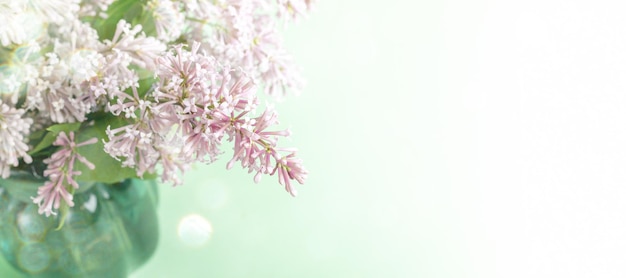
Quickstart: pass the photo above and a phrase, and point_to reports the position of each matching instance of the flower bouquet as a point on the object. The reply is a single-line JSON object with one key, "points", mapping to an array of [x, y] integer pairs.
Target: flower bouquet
{"points": [[100, 92]]}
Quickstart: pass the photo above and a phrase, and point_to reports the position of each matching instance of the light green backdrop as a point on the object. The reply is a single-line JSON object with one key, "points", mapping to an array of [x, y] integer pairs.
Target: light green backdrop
{"points": [[444, 139], [380, 200]]}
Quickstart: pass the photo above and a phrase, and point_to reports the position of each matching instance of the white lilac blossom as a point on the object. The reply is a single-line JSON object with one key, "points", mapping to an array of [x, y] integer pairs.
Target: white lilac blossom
{"points": [[160, 84], [168, 19], [25, 20], [10, 30], [18, 26], [56, 11], [13, 131], [95, 7], [58, 93], [20, 68], [292, 9]]}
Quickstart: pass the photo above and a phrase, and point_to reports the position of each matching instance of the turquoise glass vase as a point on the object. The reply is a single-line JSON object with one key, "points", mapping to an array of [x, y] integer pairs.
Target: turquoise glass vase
{"points": [[111, 230]]}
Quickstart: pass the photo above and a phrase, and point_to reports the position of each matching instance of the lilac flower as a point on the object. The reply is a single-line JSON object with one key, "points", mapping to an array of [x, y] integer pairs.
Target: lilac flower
{"points": [[289, 9], [56, 11], [173, 163], [12, 31], [20, 70], [243, 35], [256, 149], [290, 168], [24, 21], [168, 19], [65, 105], [61, 173], [95, 7], [142, 50], [60, 93], [195, 104], [204, 67], [13, 132], [133, 144], [279, 74]]}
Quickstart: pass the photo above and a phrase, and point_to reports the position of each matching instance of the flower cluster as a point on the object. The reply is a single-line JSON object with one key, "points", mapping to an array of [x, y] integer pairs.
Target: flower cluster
{"points": [[204, 102], [159, 84], [13, 129], [61, 173]]}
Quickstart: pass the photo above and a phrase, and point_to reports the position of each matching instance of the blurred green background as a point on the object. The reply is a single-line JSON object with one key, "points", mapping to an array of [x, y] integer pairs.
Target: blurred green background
{"points": [[443, 138], [379, 201]]}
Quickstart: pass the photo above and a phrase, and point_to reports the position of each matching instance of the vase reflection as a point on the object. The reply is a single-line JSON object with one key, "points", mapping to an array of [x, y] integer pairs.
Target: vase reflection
{"points": [[110, 231]]}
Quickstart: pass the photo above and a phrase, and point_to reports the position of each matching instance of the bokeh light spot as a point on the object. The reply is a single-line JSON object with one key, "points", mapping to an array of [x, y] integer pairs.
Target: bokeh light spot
{"points": [[194, 230]]}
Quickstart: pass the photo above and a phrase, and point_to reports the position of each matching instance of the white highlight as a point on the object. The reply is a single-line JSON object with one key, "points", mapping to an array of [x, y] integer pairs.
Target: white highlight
{"points": [[194, 230]]}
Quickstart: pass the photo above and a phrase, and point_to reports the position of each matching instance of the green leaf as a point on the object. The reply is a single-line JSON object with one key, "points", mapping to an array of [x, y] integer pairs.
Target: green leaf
{"points": [[67, 128], [133, 11], [51, 135], [45, 142], [147, 23], [64, 210], [121, 9], [144, 85], [5, 55], [108, 169]]}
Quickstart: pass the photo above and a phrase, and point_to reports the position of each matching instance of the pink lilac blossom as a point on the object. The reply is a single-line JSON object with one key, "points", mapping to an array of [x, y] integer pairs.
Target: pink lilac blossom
{"points": [[61, 173], [243, 34], [128, 48], [142, 50], [202, 95], [279, 74], [196, 104]]}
